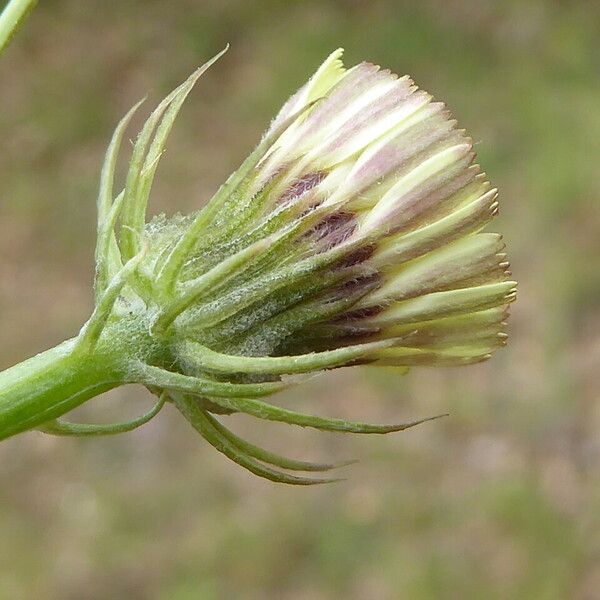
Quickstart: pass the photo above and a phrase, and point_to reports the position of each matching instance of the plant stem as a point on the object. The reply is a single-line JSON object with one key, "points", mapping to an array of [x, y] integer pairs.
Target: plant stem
{"points": [[49, 385], [12, 17]]}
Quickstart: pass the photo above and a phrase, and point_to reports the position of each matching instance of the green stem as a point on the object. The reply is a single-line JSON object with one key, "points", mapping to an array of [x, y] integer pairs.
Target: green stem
{"points": [[12, 17], [51, 384]]}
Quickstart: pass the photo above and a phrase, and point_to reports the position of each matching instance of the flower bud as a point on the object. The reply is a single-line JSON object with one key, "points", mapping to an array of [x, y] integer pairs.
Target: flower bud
{"points": [[350, 235]]}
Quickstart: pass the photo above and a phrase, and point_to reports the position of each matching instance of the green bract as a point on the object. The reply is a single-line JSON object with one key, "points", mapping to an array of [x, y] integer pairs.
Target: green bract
{"points": [[351, 235]]}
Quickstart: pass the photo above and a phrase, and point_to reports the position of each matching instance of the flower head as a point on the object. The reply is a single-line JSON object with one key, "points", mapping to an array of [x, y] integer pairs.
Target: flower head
{"points": [[351, 235]]}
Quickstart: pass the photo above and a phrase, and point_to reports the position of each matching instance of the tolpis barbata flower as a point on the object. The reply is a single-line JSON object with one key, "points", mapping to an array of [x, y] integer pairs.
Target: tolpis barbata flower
{"points": [[352, 235]]}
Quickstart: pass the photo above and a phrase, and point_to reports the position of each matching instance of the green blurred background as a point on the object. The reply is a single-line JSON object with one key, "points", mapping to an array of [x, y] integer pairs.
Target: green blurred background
{"points": [[500, 500]]}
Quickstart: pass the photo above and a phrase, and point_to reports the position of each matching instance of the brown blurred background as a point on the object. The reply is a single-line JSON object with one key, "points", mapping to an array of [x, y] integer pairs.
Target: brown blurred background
{"points": [[500, 500]]}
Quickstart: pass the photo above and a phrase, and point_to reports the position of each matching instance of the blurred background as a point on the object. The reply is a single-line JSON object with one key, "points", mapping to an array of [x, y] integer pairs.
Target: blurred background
{"points": [[500, 500]]}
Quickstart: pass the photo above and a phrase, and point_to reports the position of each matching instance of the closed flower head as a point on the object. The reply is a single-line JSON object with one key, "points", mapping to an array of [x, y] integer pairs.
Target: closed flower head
{"points": [[351, 235]]}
